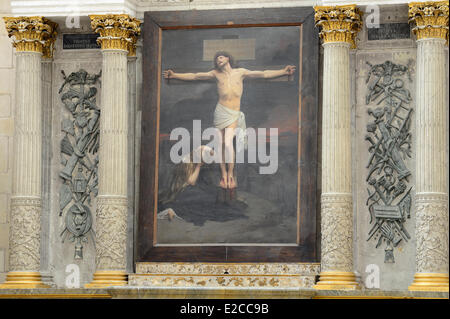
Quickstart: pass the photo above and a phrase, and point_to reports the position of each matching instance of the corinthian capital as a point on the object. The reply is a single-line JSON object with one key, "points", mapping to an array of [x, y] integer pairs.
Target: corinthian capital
{"points": [[430, 19], [33, 34], [117, 31], [338, 23]]}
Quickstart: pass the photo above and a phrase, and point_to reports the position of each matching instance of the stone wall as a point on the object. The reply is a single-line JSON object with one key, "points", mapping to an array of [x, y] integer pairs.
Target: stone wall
{"points": [[62, 254], [7, 75], [57, 255], [398, 274], [401, 51]]}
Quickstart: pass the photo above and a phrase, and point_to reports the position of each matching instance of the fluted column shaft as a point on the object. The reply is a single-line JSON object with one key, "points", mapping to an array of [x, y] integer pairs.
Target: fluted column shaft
{"points": [[339, 27], [117, 38], [431, 168], [336, 199], [32, 37], [431, 201], [431, 162], [111, 221], [24, 238]]}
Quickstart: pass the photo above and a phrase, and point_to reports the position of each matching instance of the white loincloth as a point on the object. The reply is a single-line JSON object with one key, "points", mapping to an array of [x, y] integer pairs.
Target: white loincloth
{"points": [[224, 117]]}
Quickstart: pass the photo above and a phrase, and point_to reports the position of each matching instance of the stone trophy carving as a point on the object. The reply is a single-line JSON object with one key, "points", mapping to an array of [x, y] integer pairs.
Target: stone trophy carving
{"points": [[389, 191], [79, 157]]}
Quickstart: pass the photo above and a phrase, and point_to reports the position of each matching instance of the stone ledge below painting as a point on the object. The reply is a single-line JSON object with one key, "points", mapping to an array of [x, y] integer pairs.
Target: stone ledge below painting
{"points": [[219, 275], [251, 269]]}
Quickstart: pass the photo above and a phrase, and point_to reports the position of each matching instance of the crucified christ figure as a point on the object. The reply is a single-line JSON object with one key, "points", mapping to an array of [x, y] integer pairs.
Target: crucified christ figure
{"points": [[227, 116]]}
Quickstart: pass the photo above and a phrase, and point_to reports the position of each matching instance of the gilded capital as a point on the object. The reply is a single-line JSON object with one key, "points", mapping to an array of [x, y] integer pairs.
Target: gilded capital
{"points": [[338, 23], [430, 19], [117, 31], [32, 34]]}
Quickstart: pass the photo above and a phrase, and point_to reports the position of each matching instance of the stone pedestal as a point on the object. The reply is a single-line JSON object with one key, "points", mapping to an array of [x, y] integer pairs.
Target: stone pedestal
{"points": [[339, 28], [117, 38], [431, 203], [33, 37]]}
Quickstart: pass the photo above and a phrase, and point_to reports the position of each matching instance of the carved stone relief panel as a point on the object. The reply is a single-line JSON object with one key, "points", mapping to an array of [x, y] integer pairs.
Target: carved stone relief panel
{"points": [[389, 144], [79, 156]]}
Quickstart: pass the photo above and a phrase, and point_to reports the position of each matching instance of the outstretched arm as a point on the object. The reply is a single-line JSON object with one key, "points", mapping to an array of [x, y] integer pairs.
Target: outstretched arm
{"points": [[269, 74], [169, 74]]}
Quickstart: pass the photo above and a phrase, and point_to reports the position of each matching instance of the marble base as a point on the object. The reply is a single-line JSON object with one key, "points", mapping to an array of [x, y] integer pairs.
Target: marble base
{"points": [[213, 293]]}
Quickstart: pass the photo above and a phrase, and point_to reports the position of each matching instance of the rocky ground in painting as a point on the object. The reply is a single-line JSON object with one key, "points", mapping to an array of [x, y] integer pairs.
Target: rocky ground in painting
{"points": [[264, 224]]}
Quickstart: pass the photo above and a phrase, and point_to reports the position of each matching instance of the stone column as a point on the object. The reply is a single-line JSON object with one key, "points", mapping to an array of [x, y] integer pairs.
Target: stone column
{"points": [[117, 38], [431, 28], [33, 37], [339, 26]]}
